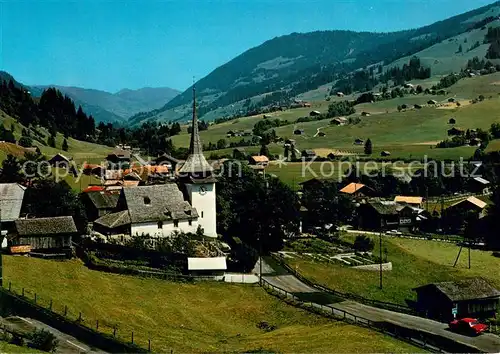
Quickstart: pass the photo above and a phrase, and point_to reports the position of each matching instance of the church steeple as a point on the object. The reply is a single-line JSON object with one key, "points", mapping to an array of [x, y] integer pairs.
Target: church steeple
{"points": [[196, 164]]}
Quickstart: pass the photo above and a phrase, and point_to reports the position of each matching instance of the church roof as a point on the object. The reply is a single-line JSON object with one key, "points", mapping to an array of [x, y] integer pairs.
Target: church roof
{"points": [[159, 202], [196, 162]]}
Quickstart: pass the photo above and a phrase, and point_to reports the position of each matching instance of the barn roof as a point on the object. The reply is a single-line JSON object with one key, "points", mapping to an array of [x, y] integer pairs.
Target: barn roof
{"points": [[103, 200], [159, 202], [462, 290], [11, 200], [384, 207], [481, 180], [45, 226], [472, 200], [214, 263], [352, 188], [260, 158], [408, 200]]}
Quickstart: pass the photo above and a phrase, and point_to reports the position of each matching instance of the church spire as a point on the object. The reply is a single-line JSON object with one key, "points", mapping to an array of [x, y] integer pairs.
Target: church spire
{"points": [[196, 162]]}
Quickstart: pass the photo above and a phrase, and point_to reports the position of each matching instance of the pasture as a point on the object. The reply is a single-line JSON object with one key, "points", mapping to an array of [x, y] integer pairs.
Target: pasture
{"points": [[200, 317], [415, 263]]}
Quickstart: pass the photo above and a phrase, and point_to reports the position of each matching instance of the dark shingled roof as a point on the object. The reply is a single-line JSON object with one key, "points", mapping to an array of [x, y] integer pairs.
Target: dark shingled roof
{"points": [[161, 202], [468, 289], [196, 162], [113, 220], [384, 208], [45, 226], [103, 200]]}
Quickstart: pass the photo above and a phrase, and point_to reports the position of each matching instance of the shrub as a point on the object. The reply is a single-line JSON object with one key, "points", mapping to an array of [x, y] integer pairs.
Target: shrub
{"points": [[43, 340], [266, 326], [363, 244]]}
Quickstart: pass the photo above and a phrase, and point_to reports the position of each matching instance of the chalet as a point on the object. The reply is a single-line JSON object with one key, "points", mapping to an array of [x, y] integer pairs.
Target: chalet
{"points": [[451, 100], [118, 158], [455, 131], [211, 267], [306, 104], [475, 142], [59, 160], [479, 185], [259, 160], [231, 134], [321, 134], [339, 121], [44, 235], [313, 183], [156, 211], [359, 142], [383, 215], [365, 114], [412, 201], [11, 201], [385, 153], [340, 94], [417, 106], [240, 153], [314, 113], [298, 131], [432, 102], [357, 190], [308, 154], [93, 169], [452, 121], [469, 298], [471, 204]]}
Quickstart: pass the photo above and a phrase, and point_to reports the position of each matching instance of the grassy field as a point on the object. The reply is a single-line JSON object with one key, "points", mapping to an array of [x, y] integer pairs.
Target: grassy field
{"points": [[415, 263], [203, 317], [11, 348]]}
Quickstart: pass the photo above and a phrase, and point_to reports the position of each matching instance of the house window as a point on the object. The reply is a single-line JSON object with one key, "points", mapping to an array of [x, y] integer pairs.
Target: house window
{"points": [[176, 223], [201, 214], [160, 224], [190, 222]]}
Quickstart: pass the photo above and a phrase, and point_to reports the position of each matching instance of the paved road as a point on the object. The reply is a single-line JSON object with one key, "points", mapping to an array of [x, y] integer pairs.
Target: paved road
{"points": [[66, 344], [486, 342]]}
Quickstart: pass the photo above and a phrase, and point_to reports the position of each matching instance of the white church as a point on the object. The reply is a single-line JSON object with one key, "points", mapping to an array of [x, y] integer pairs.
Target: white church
{"points": [[159, 210]]}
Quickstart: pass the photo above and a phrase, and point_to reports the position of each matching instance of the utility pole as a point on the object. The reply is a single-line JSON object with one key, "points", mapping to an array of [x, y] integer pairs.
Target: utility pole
{"points": [[380, 256], [1, 256]]}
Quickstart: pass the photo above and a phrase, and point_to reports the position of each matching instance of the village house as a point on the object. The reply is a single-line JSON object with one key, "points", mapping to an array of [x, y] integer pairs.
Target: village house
{"points": [[59, 160], [357, 190], [452, 121], [340, 94], [259, 160], [339, 121], [314, 113], [471, 204], [298, 131], [240, 153], [308, 154], [51, 235], [321, 134], [167, 160], [93, 169], [470, 298], [382, 215], [412, 201], [455, 131], [430, 102], [365, 114], [119, 157], [479, 185], [359, 142], [99, 203], [385, 153]]}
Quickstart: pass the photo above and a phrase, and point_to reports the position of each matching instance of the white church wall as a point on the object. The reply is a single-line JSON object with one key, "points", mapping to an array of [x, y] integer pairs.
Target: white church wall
{"points": [[152, 228], [203, 199]]}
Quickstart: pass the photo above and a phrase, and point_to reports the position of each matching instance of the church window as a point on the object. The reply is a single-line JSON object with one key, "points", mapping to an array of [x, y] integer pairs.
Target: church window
{"points": [[160, 224], [190, 222], [176, 223], [201, 214]]}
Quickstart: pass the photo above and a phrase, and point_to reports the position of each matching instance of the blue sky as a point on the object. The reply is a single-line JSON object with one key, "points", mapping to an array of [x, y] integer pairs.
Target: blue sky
{"points": [[110, 45]]}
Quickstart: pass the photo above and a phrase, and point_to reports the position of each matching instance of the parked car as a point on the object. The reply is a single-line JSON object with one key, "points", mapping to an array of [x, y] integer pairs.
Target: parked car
{"points": [[394, 232], [468, 326]]}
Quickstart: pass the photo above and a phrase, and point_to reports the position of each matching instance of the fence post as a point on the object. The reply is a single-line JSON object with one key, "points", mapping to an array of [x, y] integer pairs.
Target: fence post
{"points": [[65, 310], [97, 325], [35, 298], [132, 337], [80, 317], [149, 345], [50, 306], [10, 286], [114, 331], [23, 292]]}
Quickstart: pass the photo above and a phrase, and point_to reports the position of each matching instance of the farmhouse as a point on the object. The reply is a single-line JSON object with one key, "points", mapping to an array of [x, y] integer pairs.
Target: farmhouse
{"points": [[259, 160], [412, 201], [99, 203], [471, 204], [118, 156], [455, 131], [59, 160], [308, 154], [46, 235], [93, 169], [357, 190], [386, 215], [340, 94], [385, 153], [452, 121], [417, 106], [365, 114], [479, 185], [321, 134], [339, 121], [298, 131], [471, 298], [314, 113], [359, 142], [432, 102]]}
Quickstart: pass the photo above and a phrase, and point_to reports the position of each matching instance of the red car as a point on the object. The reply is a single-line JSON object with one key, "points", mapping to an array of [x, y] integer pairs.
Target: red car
{"points": [[468, 326]]}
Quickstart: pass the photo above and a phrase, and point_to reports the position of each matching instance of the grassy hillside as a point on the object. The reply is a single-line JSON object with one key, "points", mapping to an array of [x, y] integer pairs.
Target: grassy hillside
{"points": [[203, 317], [415, 263]]}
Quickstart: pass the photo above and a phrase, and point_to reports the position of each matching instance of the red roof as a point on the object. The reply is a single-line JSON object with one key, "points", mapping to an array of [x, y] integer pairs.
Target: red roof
{"points": [[93, 189]]}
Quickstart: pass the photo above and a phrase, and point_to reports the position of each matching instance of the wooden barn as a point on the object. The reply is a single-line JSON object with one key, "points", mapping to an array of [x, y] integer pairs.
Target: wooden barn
{"points": [[47, 235], [470, 298]]}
